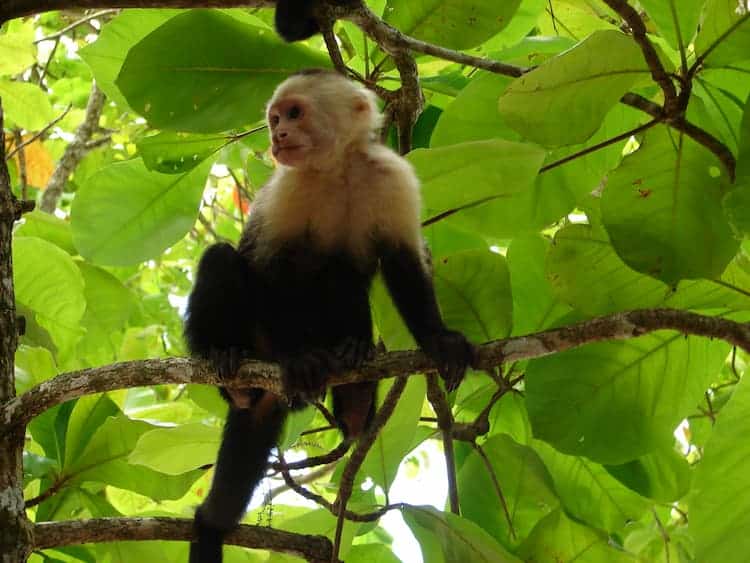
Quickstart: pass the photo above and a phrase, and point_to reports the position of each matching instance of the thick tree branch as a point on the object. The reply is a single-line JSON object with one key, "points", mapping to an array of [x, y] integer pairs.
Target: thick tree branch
{"points": [[658, 72], [75, 150], [58, 534], [17, 8], [618, 326]]}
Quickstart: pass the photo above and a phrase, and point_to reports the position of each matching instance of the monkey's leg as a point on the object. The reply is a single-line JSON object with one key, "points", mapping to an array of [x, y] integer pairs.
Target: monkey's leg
{"points": [[249, 436], [354, 407], [219, 319]]}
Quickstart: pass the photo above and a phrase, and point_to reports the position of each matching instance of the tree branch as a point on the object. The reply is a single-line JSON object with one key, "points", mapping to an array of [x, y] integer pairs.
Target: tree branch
{"points": [[75, 150], [618, 326], [73, 532]]}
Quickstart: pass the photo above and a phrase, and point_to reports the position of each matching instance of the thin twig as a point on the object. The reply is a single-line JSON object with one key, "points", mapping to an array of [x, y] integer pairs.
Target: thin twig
{"points": [[496, 485], [346, 484], [445, 423], [39, 134], [22, 176], [58, 34]]}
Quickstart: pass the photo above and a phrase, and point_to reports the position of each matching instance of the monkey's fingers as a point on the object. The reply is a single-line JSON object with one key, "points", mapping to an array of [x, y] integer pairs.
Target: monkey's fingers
{"points": [[353, 352], [226, 361]]}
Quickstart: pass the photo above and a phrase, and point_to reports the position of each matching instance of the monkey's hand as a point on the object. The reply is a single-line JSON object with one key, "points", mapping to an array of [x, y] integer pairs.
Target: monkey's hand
{"points": [[305, 375], [353, 352], [452, 353]]}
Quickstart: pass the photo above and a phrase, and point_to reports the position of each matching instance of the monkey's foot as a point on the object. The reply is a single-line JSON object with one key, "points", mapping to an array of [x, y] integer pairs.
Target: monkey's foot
{"points": [[306, 375], [354, 352], [452, 353], [226, 361]]}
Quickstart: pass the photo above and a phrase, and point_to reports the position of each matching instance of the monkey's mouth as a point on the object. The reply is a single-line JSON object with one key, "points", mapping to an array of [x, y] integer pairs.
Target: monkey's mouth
{"points": [[276, 149]]}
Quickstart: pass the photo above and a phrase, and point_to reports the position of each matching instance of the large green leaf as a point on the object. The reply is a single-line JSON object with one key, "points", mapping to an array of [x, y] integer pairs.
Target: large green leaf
{"points": [[48, 227], [475, 298], [470, 172], [108, 307], [525, 484], [662, 210], [535, 307], [724, 37], [563, 101], [575, 19], [588, 492], [177, 450], [17, 52], [663, 475], [456, 24], [106, 55], [720, 503], [616, 401], [205, 71], [737, 202], [125, 214], [48, 282], [177, 153], [395, 440], [105, 460], [25, 104], [558, 538], [585, 272], [473, 115], [447, 538], [677, 20]]}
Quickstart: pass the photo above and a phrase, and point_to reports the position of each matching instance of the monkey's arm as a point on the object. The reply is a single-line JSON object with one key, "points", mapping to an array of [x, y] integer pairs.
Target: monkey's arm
{"points": [[411, 289], [219, 322]]}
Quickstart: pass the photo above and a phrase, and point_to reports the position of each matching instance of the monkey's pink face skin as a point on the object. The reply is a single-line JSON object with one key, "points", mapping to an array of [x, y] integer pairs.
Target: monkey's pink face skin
{"points": [[291, 126]]}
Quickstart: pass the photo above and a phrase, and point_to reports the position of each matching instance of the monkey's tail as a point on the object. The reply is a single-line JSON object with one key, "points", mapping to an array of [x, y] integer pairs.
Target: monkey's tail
{"points": [[249, 435], [295, 20]]}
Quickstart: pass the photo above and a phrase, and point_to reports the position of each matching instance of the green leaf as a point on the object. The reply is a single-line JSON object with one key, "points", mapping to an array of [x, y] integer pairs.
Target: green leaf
{"points": [[447, 538], [616, 401], [33, 365], [48, 227], [105, 460], [525, 484], [455, 24], [677, 20], [473, 115], [564, 100], [663, 475], [662, 210], [535, 307], [558, 538], [724, 37], [474, 290], [26, 105], [109, 306], [575, 19], [177, 153], [87, 415], [17, 51], [371, 553], [737, 202], [395, 440], [588, 492], [177, 450], [484, 170], [585, 272], [720, 505], [204, 71], [106, 55], [48, 282], [125, 214]]}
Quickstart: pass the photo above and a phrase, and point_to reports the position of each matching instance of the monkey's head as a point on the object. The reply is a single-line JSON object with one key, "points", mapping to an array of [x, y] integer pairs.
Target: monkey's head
{"points": [[315, 116]]}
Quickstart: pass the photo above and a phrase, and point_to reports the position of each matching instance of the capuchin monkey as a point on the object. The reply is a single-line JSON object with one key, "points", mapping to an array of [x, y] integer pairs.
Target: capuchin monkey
{"points": [[339, 207], [295, 19]]}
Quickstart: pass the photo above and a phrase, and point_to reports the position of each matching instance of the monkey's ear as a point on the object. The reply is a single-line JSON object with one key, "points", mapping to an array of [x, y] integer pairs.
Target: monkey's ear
{"points": [[362, 104]]}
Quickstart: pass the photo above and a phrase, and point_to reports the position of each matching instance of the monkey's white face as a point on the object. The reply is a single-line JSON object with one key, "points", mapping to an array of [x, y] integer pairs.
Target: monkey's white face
{"points": [[297, 137]]}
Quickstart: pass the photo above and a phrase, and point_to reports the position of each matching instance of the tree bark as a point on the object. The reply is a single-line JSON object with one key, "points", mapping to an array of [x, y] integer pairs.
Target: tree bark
{"points": [[15, 534]]}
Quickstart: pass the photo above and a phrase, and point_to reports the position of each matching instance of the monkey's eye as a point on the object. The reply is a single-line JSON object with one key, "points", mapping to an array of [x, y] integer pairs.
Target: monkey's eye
{"points": [[274, 119], [294, 112]]}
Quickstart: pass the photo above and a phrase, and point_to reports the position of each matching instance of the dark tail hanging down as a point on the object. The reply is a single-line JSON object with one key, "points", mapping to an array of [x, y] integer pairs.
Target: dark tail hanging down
{"points": [[249, 436]]}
